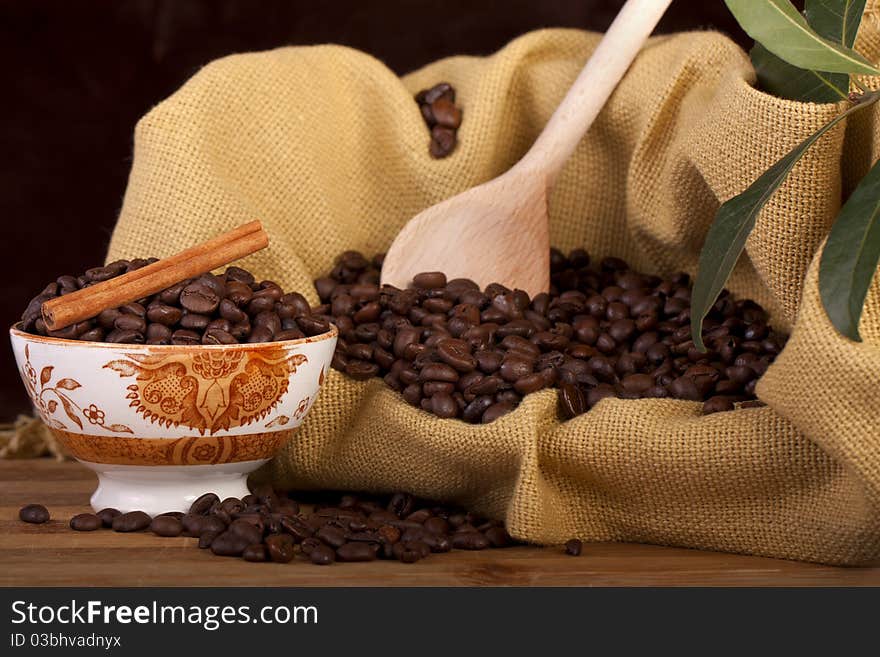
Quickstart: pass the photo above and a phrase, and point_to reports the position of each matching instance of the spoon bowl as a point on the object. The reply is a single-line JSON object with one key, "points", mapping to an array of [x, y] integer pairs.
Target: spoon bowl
{"points": [[458, 236]]}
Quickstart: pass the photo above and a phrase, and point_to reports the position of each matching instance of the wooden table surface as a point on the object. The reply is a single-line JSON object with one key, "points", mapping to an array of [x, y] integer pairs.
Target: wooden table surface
{"points": [[54, 555]]}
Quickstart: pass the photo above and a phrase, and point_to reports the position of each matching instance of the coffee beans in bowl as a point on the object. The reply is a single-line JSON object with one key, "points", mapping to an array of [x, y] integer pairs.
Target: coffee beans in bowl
{"points": [[210, 309], [603, 330], [215, 371]]}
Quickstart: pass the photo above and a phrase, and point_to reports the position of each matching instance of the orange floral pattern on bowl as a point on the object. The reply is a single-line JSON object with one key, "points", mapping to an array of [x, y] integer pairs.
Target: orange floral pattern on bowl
{"points": [[47, 396], [209, 392], [188, 450]]}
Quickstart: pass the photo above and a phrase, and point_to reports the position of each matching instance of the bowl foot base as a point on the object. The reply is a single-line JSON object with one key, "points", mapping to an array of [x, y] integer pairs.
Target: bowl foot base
{"points": [[157, 489]]}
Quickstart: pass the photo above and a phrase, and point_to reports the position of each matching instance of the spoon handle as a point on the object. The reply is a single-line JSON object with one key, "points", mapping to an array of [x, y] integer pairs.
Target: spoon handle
{"points": [[592, 88]]}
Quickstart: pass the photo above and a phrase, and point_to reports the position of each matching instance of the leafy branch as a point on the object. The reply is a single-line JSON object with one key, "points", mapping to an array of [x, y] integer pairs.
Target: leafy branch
{"points": [[806, 58]]}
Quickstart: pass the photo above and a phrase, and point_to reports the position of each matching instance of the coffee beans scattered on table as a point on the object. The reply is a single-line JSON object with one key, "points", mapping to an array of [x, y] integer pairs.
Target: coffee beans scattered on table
{"points": [[442, 117], [85, 522], [107, 516], [35, 514], [269, 526], [457, 351], [573, 547], [166, 525], [133, 521], [209, 309]]}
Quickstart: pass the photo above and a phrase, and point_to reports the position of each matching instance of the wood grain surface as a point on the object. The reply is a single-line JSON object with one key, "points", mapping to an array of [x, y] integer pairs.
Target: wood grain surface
{"points": [[54, 555]]}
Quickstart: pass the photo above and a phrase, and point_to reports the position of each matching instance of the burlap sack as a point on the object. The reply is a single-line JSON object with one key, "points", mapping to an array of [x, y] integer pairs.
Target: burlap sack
{"points": [[327, 147]]}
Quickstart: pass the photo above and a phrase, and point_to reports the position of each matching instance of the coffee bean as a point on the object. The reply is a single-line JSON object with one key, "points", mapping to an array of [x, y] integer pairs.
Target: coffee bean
{"points": [[238, 274], [443, 405], [133, 521], [85, 522], [95, 334], [203, 503], [217, 336], [471, 540], [457, 354], [127, 322], [255, 552], [229, 544], [445, 113], [247, 529], [496, 410], [571, 400], [107, 516], [637, 383], [206, 538], [199, 297], [158, 334], [122, 336], [498, 537], [280, 548], [312, 325], [192, 524], [166, 526], [600, 392], [684, 388], [361, 370], [185, 337], [573, 547], [443, 141], [34, 513], [438, 372], [322, 555], [356, 551], [332, 536], [530, 383], [514, 368], [406, 553], [164, 314], [430, 280], [99, 274], [401, 504], [717, 404]]}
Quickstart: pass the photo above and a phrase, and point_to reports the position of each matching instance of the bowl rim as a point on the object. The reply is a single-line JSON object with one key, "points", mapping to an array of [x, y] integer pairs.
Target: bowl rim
{"points": [[16, 331]]}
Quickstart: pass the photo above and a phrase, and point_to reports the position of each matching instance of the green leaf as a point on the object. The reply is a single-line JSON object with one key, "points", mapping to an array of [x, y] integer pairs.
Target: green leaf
{"points": [[836, 20], [735, 220], [778, 26], [851, 255], [786, 81]]}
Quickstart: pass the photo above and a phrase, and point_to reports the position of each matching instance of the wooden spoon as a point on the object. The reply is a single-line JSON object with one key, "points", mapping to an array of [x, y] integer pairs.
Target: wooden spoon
{"points": [[498, 231]]}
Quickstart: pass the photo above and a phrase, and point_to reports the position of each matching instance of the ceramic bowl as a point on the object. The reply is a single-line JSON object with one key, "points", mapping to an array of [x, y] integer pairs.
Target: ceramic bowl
{"points": [[161, 425]]}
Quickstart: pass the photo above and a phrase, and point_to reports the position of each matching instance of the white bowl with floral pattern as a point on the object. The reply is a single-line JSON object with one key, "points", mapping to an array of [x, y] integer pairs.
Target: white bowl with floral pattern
{"points": [[161, 425]]}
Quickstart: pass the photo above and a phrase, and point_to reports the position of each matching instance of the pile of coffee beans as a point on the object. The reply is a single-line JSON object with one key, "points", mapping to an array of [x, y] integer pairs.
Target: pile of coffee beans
{"points": [[210, 309], [442, 117], [269, 526], [457, 351]]}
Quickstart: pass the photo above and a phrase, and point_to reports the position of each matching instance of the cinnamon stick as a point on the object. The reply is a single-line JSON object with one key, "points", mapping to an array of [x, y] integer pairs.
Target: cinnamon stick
{"points": [[216, 252]]}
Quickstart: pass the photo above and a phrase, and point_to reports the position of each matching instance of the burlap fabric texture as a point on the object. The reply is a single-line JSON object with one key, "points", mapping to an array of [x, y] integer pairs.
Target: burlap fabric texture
{"points": [[326, 146]]}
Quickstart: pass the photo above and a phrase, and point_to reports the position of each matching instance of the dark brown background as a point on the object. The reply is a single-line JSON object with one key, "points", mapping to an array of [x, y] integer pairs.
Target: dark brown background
{"points": [[78, 75]]}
